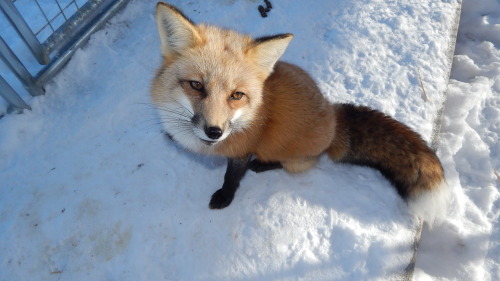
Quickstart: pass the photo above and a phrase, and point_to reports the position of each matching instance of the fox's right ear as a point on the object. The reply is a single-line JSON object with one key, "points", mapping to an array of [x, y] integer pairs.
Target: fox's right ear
{"points": [[177, 32]]}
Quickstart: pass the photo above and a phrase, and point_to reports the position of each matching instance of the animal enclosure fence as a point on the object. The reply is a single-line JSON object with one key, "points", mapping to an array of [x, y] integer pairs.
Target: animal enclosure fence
{"points": [[51, 30]]}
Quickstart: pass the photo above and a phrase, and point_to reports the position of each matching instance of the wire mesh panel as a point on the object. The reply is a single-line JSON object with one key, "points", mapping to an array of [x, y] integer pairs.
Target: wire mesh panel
{"points": [[52, 30], [48, 15]]}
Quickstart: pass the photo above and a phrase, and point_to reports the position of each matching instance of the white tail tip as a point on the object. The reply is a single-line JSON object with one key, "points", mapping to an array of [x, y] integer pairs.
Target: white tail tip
{"points": [[431, 206]]}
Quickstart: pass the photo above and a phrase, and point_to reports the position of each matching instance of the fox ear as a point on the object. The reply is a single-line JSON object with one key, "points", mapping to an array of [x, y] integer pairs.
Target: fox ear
{"points": [[177, 32], [267, 50]]}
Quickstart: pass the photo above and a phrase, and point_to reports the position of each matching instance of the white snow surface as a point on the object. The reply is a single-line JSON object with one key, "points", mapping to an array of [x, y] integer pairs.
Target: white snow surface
{"points": [[91, 190], [467, 245]]}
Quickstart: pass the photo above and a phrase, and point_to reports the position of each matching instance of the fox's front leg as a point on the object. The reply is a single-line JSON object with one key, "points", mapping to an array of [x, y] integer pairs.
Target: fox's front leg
{"points": [[258, 166], [236, 169]]}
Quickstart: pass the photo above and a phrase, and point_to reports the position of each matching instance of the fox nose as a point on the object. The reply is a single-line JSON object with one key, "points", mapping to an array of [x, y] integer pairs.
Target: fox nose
{"points": [[213, 132]]}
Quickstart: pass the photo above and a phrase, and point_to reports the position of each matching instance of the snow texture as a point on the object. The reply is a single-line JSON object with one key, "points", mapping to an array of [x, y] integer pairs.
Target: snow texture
{"points": [[91, 190], [467, 245]]}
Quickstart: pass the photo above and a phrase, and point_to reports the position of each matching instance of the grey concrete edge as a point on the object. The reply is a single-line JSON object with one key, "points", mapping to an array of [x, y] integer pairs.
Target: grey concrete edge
{"points": [[436, 131]]}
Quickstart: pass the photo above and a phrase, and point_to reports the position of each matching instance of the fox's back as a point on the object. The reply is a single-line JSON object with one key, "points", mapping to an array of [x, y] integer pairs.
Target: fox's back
{"points": [[299, 120]]}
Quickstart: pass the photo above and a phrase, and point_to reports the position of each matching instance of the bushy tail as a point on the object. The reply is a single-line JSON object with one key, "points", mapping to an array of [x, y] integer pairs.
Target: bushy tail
{"points": [[365, 136], [430, 198]]}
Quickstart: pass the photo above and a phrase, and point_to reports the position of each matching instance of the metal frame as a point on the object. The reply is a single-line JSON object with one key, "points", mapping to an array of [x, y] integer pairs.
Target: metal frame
{"points": [[56, 50]]}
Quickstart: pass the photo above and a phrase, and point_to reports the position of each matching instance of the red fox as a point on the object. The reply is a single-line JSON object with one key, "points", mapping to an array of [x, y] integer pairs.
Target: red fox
{"points": [[223, 93]]}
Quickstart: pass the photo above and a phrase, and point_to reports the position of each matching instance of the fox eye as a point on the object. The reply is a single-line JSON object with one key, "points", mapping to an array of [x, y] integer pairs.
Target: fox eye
{"points": [[236, 96], [196, 85]]}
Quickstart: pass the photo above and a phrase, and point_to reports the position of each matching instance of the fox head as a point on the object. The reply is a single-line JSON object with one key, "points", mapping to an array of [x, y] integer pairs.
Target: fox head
{"points": [[211, 82]]}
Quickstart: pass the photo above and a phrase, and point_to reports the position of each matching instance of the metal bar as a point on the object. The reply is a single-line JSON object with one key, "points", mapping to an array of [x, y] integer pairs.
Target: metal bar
{"points": [[64, 42], [98, 16], [24, 31], [436, 130], [16, 66], [75, 24], [410, 268], [436, 133], [11, 96]]}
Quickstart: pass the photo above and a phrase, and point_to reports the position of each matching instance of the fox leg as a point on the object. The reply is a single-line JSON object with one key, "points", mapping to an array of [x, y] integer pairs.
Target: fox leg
{"points": [[236, 169], [299, 165], [258, 166]]}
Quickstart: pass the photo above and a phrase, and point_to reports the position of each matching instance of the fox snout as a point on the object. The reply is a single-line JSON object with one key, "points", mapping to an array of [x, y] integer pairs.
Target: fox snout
{"points": [[206, 131], [213, 132]]}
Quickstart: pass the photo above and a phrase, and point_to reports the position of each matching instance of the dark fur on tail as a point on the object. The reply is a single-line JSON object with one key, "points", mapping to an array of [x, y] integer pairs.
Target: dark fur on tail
{"points": [[365, 136]]}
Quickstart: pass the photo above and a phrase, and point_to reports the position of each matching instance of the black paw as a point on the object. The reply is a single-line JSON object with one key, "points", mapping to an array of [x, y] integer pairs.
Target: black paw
{"points": [[259, 166], [220, 200]]}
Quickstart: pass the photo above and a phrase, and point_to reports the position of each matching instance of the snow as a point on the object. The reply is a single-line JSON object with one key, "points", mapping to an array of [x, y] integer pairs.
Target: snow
{"points": [[91, 190], [469, 241]]}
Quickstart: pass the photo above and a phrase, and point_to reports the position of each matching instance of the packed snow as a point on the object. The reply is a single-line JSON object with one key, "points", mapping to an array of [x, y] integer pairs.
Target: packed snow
{"points": [[91, 189], [467, 245]]}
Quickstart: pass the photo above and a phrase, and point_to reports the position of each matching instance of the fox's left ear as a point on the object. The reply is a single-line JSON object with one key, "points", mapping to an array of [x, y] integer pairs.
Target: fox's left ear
{"points": [[267, 50]]}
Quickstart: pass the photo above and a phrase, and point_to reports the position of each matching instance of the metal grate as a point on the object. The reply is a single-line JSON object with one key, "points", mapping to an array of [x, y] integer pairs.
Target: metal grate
{"points": [[53, 20], [52, 30]]}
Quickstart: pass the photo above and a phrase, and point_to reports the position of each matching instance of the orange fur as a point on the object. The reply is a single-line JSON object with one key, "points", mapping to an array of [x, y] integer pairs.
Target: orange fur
{"points": [[273, 110]]}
